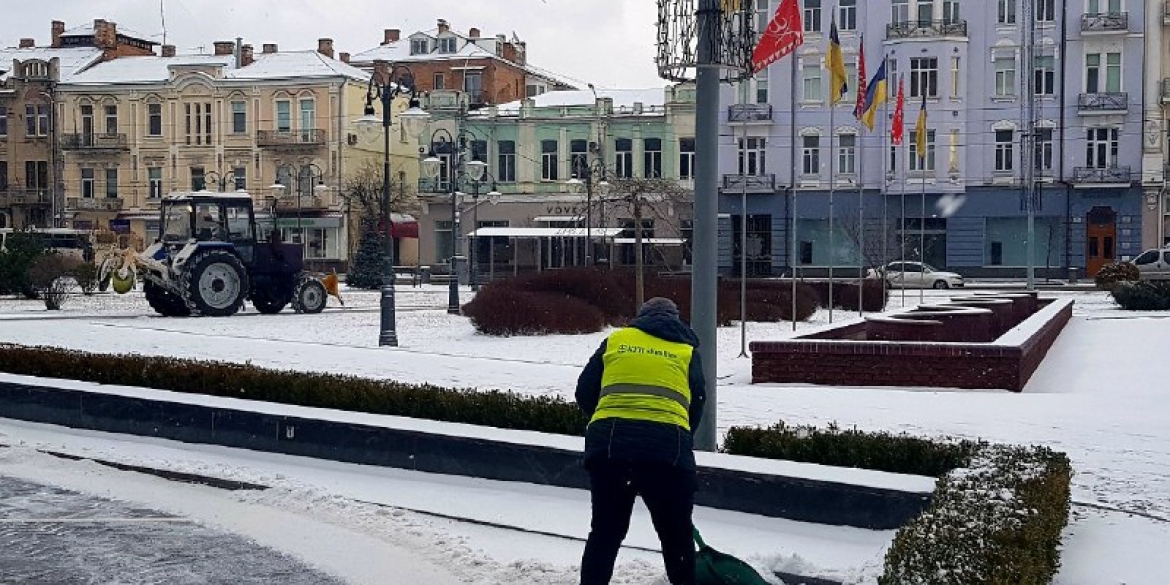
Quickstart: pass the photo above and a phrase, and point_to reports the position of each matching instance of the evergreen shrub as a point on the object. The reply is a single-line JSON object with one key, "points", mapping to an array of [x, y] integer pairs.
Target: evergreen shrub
{"points": [[1112, 274], [1143, 295]]}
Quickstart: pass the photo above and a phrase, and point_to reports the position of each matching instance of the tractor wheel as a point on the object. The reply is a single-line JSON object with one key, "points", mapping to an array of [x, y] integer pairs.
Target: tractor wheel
{"points": [[164, 302], [266, 304], [309, 296], [216, 283]]}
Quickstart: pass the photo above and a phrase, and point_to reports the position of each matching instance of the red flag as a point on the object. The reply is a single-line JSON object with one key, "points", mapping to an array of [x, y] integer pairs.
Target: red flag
{"points": [[898, 132], [784, 34], [862, 88]]}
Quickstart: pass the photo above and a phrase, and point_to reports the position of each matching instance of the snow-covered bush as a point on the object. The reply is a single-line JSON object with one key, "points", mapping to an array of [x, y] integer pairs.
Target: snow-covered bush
{"points": [[501, 309], [1112, 274], [1145, 295], [51, 276]]}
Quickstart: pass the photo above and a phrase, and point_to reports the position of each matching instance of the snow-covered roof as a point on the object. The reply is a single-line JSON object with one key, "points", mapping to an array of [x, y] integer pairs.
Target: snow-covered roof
{"points": [[72, 60], [399, 52], [623, 99], [144, 69], [296, 64], [87, 30], [267, 66]]}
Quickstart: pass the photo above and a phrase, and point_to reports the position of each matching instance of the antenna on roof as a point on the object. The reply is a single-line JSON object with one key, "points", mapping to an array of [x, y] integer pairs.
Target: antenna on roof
{"points": [[162, 14]]}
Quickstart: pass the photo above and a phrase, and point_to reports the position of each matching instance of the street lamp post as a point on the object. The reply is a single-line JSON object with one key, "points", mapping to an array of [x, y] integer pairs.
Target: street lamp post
{"points": [[588, 173], [493, 196], [219, 178], [414, 119], [298, 170], [474, 170]]}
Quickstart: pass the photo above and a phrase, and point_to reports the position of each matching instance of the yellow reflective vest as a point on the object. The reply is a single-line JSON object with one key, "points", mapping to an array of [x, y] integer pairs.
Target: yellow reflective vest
{"points": [[645, 378]]}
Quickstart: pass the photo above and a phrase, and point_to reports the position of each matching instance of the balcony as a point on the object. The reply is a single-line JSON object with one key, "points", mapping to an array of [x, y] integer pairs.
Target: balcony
{"points": [[1103, 103], [291, 139], [95, 142], [749, 113], [753, 183], [110, 204], [302, 203], [926, 28], [1105, 22], [16, 197], [1085, 177], [1166, 91]]}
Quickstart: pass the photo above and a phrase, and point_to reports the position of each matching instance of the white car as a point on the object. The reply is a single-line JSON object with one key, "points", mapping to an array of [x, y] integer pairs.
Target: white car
{"points": [[1154, 264], [917, 275]]}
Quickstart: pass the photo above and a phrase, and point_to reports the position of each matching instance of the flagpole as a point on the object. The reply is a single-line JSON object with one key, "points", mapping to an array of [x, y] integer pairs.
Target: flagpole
{"points": [[793, 252], [884, 185], [860, 145], [832, 191], [922, 226], [905, 179]]}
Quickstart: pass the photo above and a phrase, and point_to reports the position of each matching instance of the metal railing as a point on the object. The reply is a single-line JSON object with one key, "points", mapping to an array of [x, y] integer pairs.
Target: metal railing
{"points": [[1105, 22], [304, 202], [926, 28], [1103, 102], [82, 141], [735, 183], [1095, 175], [94, 203], [749, 113], [434, 186], [290, 138], [19, 196]]}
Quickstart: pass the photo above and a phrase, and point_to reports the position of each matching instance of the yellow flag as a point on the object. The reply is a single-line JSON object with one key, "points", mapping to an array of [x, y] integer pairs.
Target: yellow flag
{"points": [[920, 130], [835, 62]]}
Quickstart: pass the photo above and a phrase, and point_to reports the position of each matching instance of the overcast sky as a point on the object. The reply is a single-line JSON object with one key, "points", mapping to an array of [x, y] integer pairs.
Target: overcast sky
{"points": [[607, 42]]}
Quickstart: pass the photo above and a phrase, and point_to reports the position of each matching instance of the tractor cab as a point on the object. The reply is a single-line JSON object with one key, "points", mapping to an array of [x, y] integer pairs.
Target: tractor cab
{"points": [[207, 218]]}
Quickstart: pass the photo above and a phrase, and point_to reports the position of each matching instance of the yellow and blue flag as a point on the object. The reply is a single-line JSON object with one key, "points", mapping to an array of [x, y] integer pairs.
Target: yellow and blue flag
{"points": [[876, 94], [835, 62]]}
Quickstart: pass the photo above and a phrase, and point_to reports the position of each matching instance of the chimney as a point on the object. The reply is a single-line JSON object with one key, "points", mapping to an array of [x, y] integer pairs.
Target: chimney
{"points": [[344, 57], [443, 26], [381, 70], [28, 43], [391, 36], [247, 56], [224, 47], [168, 50], [473, 33], [325, 47], [268, 48], [105, 34], [57, 30]]}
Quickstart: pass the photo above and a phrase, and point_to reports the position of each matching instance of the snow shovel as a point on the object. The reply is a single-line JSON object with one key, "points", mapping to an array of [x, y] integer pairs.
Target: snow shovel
{"points": [[716, 568]]}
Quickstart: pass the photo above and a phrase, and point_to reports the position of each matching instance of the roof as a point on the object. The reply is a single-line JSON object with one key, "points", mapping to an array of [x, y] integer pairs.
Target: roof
{"points": [[72, 60], [296, 64], [623, 99], [144, 69], [87, 30], [183, 195], [268, 66], [399, 52]]}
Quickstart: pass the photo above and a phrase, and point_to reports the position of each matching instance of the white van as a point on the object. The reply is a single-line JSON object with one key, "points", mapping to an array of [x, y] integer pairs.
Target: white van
{"points": [[69, 242], [1154, 264]]}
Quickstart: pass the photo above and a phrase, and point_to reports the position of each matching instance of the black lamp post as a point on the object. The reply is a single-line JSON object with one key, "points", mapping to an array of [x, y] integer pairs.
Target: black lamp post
{"points": [[432, 167], [493, 197], [589, 176], [414, 119], [296, 171]]}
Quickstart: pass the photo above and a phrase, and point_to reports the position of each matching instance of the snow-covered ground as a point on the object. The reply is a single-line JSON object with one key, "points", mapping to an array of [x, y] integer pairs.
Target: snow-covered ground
{"points": [[1100, 396]]}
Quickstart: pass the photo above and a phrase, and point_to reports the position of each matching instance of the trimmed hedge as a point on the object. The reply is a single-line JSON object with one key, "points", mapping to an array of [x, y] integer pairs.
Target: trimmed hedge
{"points": [[1144, 295], [997, 512], [846, 294], [1112, 274], [494, 408], [505, 311]]}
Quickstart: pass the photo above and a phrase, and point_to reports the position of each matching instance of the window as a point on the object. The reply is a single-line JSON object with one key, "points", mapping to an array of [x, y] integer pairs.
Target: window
{"points": [[1094, 83], [36, 119], [3, 174], [283, 116], [751, 156], [847, 154], [1102, 148], [87, 127], [900, 12], [240, 178], [447, 45], [439, 81], [810, 155], [1104, 7], [806, 252], [686, 158], [36, 174], [155, 180], [951, 11], [308, 119], [578, 158], [1045, 10], [199, 183], [473, 85], [479, 151], [956, 75], [3, 121], [916, 163], [1004, 150], [812, 83], [443, 243], [154, 126], [548, 160], [651, 157], [953, 152], [1044, 76], [850, 96], [623, 163], [924, 77], [812, 15], [761, 81], [892, 167], [111, 119], [1148, 257], [925, 13], [1006, 11], [240, 117], [87, 182], [198, 123], [112, 183], [420, 46], [847, 15], [506, 161], [1044, 151], [1005, 76]]}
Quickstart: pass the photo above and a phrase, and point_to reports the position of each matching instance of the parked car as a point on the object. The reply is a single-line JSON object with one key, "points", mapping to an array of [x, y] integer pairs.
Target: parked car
{"points": [[916, 275], [1154, 264]]}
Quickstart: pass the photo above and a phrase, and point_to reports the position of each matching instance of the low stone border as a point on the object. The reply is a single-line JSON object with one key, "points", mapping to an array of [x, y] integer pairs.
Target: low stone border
{"points": [[1006, 363], [748, 485]]}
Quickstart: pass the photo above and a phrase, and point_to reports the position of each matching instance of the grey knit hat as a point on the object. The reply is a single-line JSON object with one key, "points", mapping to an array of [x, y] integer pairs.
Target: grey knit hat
{"points": [[659, 305]]}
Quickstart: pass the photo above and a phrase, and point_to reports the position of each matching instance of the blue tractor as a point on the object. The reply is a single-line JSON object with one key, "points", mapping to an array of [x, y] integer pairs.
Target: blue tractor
{"points": [[209, 258]]}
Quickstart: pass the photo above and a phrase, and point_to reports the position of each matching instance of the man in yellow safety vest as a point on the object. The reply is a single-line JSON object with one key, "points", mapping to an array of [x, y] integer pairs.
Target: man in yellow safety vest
{"points": [[644, 393]]}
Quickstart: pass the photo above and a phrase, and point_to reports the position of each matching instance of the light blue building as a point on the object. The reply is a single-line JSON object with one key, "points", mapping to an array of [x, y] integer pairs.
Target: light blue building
{"points": [[966, 57]]}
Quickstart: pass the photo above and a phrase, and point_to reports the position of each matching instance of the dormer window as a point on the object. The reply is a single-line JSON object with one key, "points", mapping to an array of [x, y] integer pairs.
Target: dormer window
{"points": [[36, 70], [447, 45], [420, 46]]}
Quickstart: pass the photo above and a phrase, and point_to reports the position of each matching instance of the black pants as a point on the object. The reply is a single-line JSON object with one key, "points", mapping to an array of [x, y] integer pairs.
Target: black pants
{"points": [[669, 495]]}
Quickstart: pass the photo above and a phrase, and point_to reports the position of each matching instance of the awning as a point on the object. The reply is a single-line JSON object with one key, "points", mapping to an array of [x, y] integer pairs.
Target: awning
{"points": [[654, 241], [544, 232], [548, 218], [401, 226]]}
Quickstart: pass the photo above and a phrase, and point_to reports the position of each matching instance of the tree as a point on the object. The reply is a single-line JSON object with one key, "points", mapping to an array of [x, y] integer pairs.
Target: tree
{"points": [[367, 262], [652, 197], [21, 250], [363, 196], [51, 276], [880, 237]]}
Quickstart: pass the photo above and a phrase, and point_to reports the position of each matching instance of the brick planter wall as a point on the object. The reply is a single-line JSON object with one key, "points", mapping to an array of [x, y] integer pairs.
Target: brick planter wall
{"points": [[940, 365]]}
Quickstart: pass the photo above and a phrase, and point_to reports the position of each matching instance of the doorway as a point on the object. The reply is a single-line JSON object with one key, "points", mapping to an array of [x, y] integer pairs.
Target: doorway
{"points": [[1100, 239]]}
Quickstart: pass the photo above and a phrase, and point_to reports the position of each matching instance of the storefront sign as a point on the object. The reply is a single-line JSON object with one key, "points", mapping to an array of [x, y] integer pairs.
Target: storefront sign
{"points": [[564, 210], [308, 222]]}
